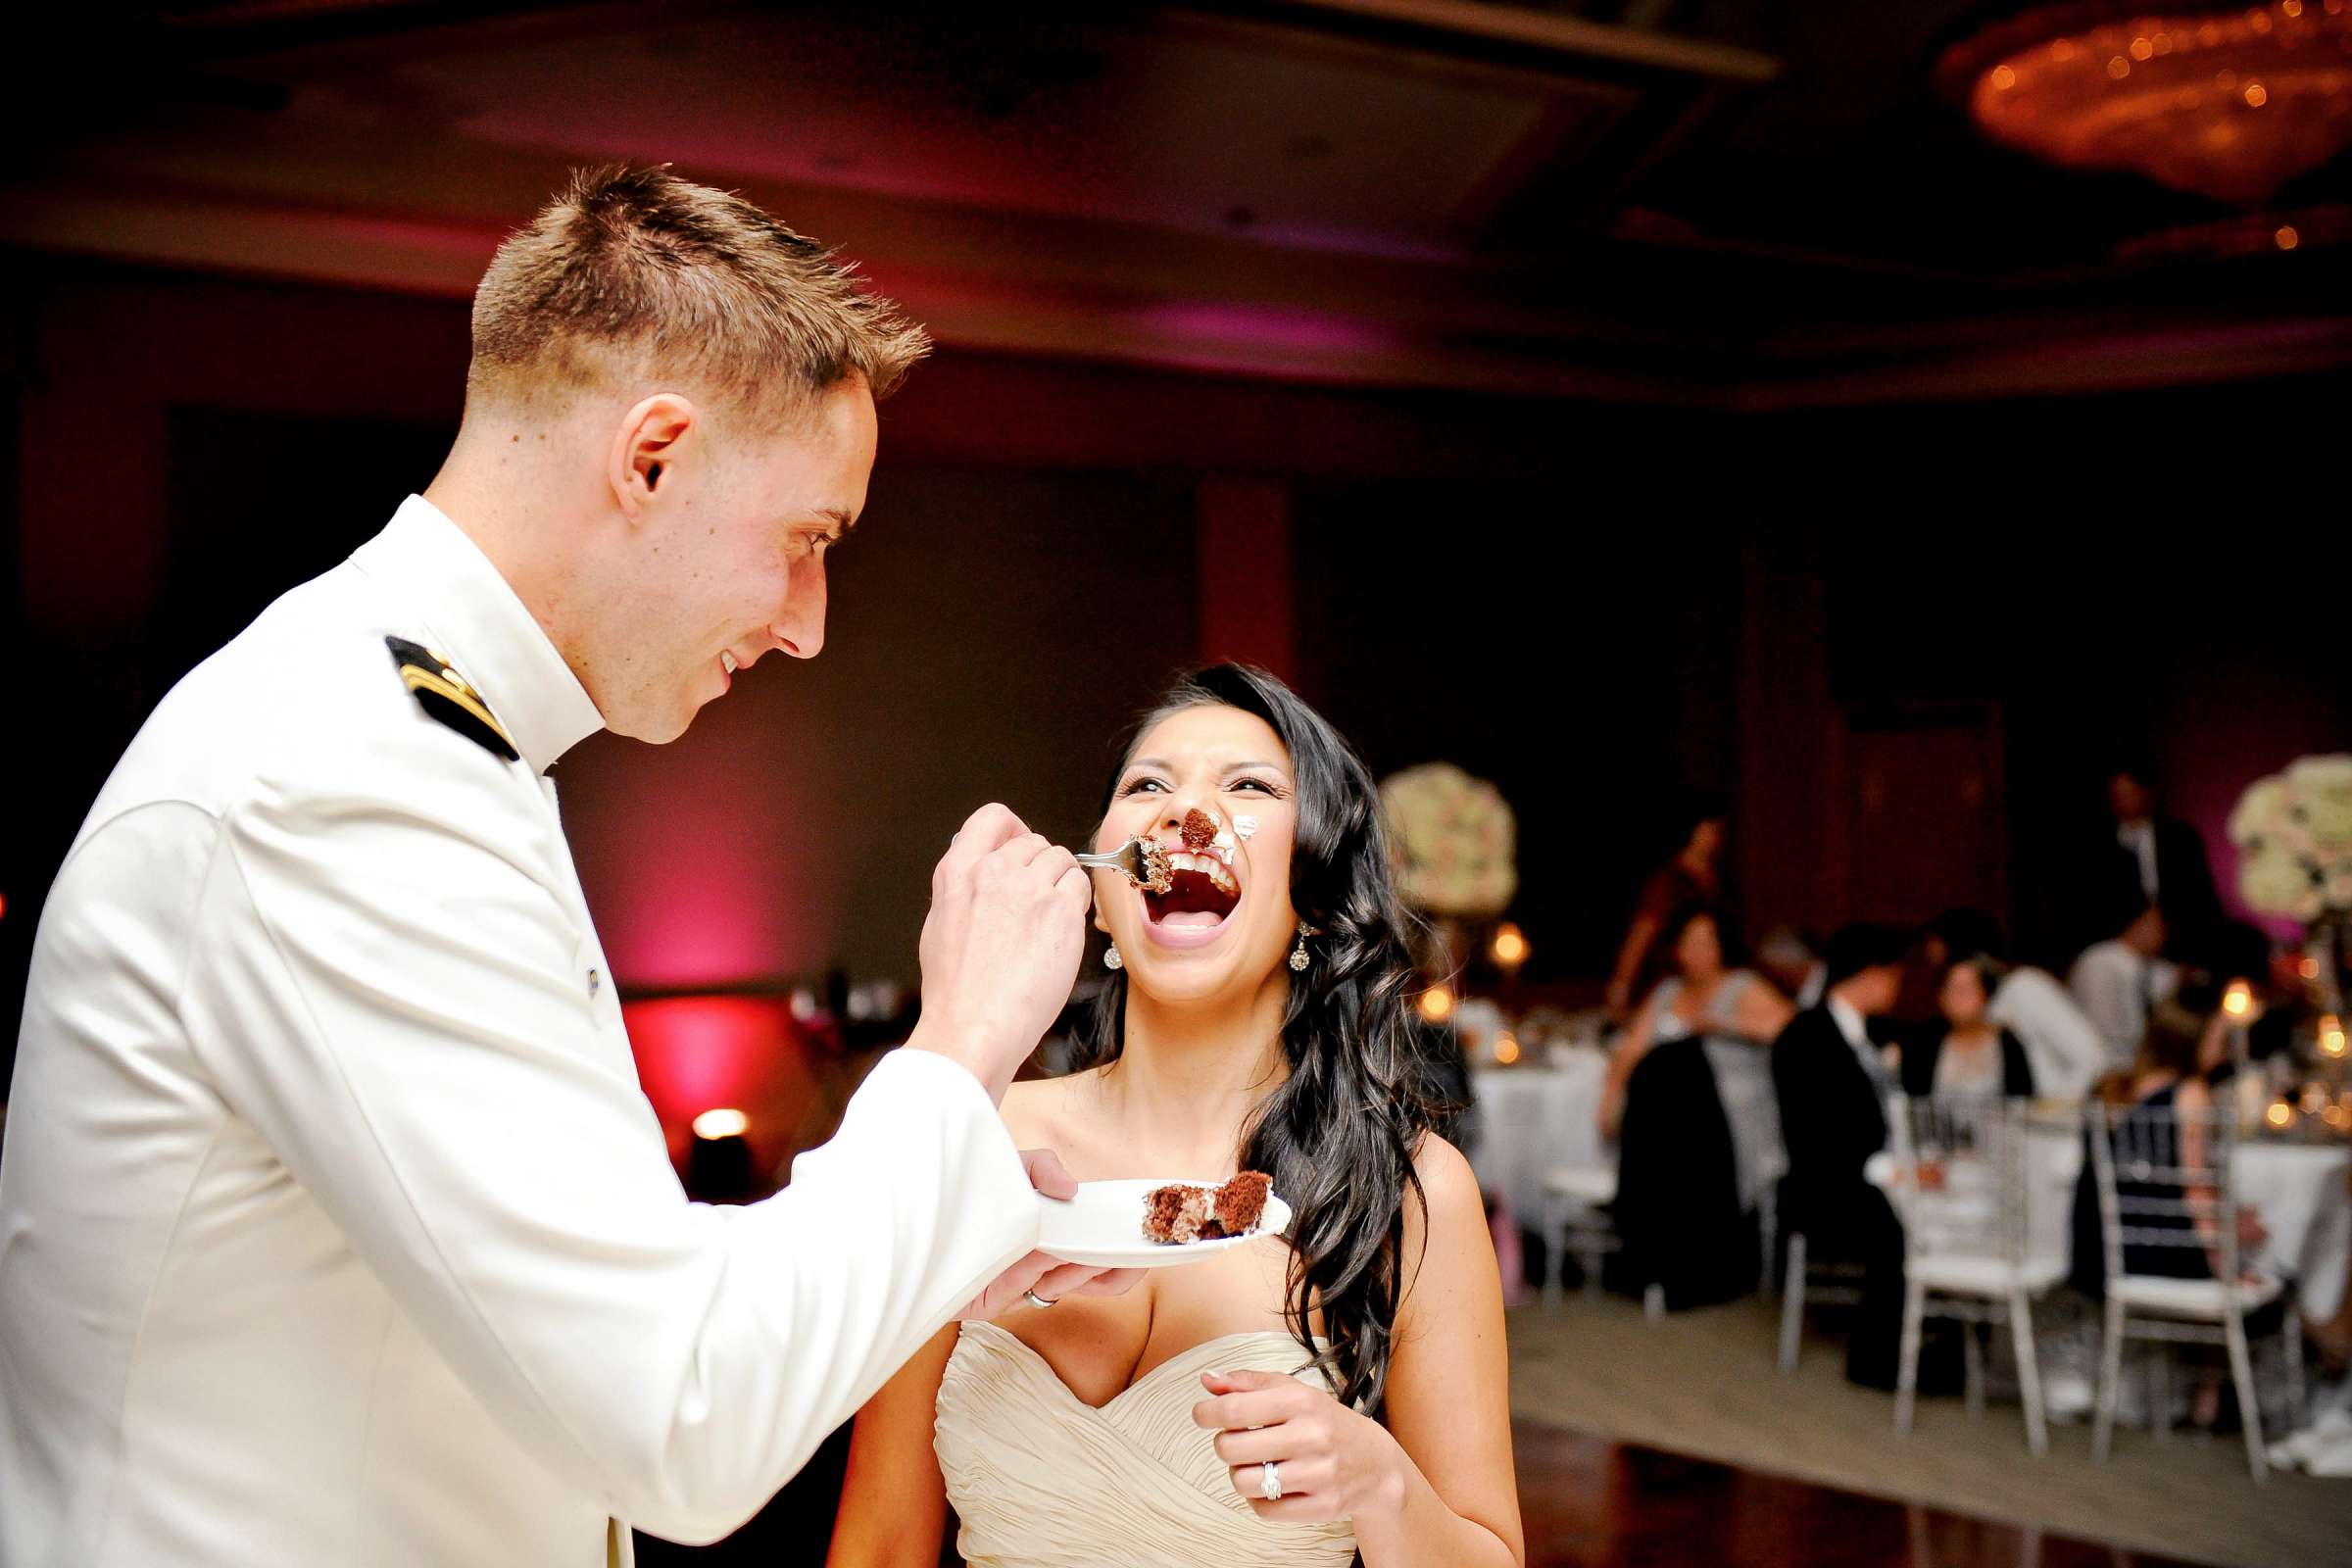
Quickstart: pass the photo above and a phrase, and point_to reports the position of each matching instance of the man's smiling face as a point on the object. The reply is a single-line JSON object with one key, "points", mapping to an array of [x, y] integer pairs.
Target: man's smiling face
{"points": [[728, 561]]}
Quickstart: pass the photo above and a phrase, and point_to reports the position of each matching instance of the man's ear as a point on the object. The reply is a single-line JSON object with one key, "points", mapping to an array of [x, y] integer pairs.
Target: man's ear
{"points": [[653, 438]]}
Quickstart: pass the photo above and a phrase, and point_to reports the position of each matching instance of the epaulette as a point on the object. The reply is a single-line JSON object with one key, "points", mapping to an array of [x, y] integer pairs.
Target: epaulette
{"points": [[444, 693]]}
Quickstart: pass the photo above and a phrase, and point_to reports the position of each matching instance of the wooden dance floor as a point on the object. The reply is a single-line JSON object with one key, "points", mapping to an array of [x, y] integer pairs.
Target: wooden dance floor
{"points": [[1589, 1503], [1592, 1503]]}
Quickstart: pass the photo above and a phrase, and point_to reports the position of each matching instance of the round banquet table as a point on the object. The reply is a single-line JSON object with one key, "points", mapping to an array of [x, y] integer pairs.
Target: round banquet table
{"points": [[1533, 1120]]}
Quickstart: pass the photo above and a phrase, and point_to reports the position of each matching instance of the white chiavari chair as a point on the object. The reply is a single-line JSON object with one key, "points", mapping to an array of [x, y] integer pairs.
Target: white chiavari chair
{"points": [[1963, 1191], [1577, 1193], [1809, 1282], [1575, 1223], [2169, 1233]]}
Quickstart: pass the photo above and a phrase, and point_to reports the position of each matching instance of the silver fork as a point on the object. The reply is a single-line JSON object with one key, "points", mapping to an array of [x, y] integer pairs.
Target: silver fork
{"points": [[1142, 862]]}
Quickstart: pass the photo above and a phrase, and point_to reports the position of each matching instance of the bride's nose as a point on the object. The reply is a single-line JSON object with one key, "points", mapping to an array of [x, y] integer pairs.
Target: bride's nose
{"points": [[1171, 819]]}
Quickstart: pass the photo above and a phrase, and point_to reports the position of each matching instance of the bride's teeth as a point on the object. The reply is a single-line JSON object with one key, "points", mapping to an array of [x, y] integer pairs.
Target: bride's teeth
{"points": [[726, 662], [1207, 865]]}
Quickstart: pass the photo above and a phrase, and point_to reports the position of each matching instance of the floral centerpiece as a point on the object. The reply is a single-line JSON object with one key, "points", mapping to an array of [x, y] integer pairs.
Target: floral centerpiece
{"points": [[2294, 835], [1456, 841]]}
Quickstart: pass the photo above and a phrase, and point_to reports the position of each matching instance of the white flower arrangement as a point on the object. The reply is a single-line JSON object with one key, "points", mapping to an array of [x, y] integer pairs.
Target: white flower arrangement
{"points": [[1458, 841], [2294, 834]]}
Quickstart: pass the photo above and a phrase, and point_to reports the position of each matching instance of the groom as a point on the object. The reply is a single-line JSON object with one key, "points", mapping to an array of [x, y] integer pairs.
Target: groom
{"points": [[334, 1227]]}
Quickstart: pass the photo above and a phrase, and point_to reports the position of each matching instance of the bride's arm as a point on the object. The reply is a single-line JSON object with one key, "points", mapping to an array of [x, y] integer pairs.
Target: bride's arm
{"points": [[1449, 1400], [1435, 1485], [893, 1504]]}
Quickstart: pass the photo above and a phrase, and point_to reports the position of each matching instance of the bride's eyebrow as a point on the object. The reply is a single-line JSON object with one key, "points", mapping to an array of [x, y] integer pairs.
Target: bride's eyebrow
{"points": [[1166, 767]]}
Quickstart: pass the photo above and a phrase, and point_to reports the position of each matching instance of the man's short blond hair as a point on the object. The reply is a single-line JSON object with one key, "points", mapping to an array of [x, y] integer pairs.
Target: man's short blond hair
{"points": [[633, 273]]}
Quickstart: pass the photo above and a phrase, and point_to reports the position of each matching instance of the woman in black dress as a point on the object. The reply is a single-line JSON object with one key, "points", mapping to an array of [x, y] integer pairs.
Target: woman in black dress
{"points": [[1968, 1053], [1683, 1221]]}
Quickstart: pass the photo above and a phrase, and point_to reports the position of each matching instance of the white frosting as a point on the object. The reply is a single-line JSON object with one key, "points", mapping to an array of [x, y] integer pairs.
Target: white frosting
{"points": [[1245, 827]]}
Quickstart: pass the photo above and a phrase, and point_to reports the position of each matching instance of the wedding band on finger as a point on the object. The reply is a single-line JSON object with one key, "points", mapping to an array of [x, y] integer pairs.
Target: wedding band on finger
{"points": [[1041, 1303], [1269, 1482]]}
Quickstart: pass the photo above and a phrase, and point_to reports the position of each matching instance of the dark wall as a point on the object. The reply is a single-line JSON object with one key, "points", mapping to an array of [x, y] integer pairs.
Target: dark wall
{"points": [[1566, 641], [1908, 640], [990, 633], [2156, 575]]}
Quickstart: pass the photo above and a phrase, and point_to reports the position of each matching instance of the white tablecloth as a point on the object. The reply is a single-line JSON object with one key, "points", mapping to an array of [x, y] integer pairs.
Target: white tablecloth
{"points": [[2299, 1192], [1533, 1120]]}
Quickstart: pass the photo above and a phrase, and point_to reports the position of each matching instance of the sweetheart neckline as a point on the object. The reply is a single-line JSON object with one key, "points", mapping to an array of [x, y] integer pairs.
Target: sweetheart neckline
{"points": [[1047, 1367]]}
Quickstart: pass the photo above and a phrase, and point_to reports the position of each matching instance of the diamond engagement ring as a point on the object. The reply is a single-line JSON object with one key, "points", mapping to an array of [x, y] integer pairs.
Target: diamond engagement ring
{"points": [[1041, 1303], [1269, 1482]]}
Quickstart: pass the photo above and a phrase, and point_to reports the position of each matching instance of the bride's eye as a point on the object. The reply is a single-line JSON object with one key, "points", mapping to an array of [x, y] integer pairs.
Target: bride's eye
{"points": [[1258, 784], [1137, 786]]}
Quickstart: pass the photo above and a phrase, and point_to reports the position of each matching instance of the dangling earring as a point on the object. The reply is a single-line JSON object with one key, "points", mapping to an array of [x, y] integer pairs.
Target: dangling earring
{"points": [[1112, 959], [1298, 959]]}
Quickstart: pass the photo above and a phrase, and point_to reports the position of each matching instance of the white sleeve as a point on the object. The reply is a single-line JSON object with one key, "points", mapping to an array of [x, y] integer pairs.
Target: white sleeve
{"points": [[388, 998], [2069, 1052]]}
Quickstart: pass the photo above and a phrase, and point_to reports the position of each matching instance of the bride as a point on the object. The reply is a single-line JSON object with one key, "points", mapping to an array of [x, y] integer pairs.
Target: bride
{"points": [[1293, 1401]]}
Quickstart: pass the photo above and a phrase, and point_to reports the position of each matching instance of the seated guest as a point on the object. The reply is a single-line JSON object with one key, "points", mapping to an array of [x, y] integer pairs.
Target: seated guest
{"points": [[2119, 979], [1705, 991], [1971, 1053], [2163, 1097], [2168, 1076], [2186, 1049], [1685, 1184], [1833, 1086], [2064, 1047], [1694, 876]]}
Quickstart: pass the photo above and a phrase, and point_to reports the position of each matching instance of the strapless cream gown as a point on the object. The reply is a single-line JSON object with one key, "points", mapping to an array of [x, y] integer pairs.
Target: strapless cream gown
{"points": [[1042, 1479]]}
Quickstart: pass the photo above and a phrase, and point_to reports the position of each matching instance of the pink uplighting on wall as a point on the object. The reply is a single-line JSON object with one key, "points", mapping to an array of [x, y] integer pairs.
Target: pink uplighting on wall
{"points": [[701, 865], [698, 1054]]}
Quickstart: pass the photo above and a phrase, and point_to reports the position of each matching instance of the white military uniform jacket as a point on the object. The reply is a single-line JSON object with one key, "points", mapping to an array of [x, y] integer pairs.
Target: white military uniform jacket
{"points": [[334, 1227]]}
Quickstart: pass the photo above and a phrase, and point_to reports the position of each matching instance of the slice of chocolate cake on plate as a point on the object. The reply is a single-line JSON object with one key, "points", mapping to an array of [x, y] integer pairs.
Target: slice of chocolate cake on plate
{"points": [[1241, 1203], [1182, 1212]]}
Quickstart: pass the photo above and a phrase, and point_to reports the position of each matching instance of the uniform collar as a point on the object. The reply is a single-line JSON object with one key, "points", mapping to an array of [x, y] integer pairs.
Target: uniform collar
{"points": [[473, 619]]}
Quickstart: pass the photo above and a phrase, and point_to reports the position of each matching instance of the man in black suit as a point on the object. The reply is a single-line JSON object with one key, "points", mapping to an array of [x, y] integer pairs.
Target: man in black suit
{"points": [[1831, 1084], [2155, 860]]}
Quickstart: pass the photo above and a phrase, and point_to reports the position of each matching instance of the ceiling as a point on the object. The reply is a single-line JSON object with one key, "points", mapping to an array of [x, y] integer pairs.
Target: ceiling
{"points": [[1730, 205]]}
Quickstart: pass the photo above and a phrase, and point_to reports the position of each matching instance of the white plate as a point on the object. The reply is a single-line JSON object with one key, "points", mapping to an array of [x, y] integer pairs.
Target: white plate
{"points": [[1104, 1226]]}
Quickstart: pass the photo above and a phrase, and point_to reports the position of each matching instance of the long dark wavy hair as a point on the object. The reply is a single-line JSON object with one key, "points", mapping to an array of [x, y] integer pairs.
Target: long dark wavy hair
{"points": [[1340, 1134]]}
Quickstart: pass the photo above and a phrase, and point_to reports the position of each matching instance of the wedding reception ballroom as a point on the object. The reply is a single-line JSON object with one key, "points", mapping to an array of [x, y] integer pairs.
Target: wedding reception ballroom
{"points": [[1816, 519]]}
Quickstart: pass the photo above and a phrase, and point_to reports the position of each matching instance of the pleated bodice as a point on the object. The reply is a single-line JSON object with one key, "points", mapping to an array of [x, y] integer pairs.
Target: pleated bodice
{"points": [[1043, 1480]]}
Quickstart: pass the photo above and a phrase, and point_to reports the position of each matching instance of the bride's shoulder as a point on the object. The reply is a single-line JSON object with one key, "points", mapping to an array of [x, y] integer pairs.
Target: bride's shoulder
{"points": [[1036, 1108], [1449, 1187]]}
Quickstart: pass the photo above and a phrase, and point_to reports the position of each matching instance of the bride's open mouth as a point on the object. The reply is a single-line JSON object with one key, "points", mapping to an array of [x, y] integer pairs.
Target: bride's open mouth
{"points": [[1202, 893]]}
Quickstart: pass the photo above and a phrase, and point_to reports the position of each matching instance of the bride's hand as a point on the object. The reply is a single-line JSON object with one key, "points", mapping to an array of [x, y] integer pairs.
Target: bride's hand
{"points": [[1331, 1462]]}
